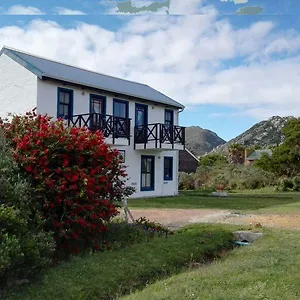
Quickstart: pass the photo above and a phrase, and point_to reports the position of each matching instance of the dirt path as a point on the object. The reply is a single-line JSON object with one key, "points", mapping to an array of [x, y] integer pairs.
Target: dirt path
{"points": [[174, 218]]}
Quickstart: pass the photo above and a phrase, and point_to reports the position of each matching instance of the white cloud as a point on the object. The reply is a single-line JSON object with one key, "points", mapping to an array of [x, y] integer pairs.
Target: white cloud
{"points": [[236, 1], [66, 11], [187, 58], [23, 10]]}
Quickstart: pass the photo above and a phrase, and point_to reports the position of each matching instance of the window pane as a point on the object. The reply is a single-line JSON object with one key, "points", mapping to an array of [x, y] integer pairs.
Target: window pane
{"points": [[148, 180], [64, 97], [143, 180], [149, 165], [168, 168], [61, 110], [120, 109]]}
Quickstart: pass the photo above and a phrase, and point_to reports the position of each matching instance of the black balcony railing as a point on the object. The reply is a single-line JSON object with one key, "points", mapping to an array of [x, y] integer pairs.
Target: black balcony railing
{"points": [[160, 134], [111, 126]]}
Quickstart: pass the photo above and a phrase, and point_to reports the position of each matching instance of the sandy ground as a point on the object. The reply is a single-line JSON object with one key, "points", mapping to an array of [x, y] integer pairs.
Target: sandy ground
{"points": [[175, 218]]}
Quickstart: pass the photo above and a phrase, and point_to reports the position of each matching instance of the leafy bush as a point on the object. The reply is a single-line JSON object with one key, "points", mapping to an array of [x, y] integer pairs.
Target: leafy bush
{"points": [[211, 160], [24, 247], [296, 183], [233, 176], [186, 181], [75, 176], [288, 184]]}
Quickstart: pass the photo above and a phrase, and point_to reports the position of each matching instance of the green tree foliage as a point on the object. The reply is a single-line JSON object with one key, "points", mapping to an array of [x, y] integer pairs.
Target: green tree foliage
{"points": [[285, 160], [212, 160], [236, 154], [24, 247]]}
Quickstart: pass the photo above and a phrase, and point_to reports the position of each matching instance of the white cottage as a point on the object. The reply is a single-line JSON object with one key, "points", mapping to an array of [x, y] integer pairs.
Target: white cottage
{"points": [[139, 121]]}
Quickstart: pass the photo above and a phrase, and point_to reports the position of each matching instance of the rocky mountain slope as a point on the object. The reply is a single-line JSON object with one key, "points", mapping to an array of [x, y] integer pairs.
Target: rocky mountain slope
{"points": [[265, 133], [201, 141]]}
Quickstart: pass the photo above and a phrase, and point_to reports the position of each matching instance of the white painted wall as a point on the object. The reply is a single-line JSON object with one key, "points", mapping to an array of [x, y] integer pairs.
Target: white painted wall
{"points": [[18, 88], [47, 103], [161, 187]]}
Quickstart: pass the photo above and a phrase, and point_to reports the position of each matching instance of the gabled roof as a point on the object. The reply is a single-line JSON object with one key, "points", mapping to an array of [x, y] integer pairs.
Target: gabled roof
{"points": [[44, 68], [257, 154]]}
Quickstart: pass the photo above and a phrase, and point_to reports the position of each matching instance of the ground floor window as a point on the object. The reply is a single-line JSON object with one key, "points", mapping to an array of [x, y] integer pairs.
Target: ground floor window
{"points": [[147, 173], [168, 168]]}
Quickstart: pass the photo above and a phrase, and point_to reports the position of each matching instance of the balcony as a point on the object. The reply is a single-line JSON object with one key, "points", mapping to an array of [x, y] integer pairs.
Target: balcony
{"points": [[159, 136], [116, 130]]}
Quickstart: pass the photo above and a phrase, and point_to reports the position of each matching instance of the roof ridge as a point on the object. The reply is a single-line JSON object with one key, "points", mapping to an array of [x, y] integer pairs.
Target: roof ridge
{"points": [[76, 67]]}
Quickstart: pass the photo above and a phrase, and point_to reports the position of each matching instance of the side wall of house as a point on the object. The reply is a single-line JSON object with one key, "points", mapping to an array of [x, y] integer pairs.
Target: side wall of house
{"points": [[18, 88], [47, 103]]}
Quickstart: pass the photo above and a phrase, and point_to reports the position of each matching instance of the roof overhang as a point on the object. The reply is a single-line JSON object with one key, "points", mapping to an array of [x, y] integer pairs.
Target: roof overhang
{"points": [[105, 91]]}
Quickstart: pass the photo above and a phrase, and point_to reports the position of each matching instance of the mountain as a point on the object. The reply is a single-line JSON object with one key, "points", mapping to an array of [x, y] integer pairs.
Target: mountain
{"points": [[265, 133], [200, 141]]}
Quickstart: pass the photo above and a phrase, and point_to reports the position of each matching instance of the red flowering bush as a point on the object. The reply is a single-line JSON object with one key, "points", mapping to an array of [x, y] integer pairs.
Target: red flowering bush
{"points": [[75, 175]]}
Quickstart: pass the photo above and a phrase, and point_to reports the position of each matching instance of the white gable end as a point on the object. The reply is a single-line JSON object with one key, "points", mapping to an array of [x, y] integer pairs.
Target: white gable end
{"points": [[18, 88]]}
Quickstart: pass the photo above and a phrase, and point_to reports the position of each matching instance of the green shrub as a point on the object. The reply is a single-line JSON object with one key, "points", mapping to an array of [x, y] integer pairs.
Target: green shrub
{"points": [[284, 184], [24, 247], [233, 176], [186, 181], [296, 183]]}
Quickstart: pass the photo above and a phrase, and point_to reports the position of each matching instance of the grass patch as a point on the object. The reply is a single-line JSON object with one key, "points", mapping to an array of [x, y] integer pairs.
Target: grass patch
{"points": [[268, 269], [110, 274], [235, 201]]}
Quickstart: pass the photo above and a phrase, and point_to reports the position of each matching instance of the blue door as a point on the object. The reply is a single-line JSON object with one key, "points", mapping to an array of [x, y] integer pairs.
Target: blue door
{"points": [[141, 123]]}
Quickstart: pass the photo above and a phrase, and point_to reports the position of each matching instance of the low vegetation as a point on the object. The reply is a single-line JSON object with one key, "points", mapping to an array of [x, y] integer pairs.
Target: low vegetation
{"points": [[111, 274], [267, 269], [229, 176]]}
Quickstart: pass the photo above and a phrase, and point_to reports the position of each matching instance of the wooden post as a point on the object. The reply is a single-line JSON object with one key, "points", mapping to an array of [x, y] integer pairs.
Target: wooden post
{"points": [[127, 212]]}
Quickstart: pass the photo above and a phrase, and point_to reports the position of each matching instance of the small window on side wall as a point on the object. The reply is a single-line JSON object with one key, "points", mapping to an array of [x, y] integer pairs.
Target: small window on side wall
{"points": [[64, 103], [121, 156], [168, 168]]}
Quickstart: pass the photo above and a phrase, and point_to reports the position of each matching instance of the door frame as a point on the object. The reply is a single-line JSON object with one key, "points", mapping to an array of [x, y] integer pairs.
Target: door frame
{"points": [[152, 188], [102, 98], [135, 113]]}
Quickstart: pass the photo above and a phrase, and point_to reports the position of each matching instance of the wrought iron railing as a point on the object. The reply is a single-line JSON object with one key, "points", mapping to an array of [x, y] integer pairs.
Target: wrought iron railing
{"points": [[111, 126], [159, 134]]}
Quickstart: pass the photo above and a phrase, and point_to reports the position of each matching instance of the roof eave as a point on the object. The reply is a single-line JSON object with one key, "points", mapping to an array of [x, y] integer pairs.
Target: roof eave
{"points": [[45, 77], [22, 62]]}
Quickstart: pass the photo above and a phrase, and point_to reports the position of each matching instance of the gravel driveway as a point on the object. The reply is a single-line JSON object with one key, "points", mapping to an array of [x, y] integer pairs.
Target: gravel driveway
{"points": [[175, 218]]}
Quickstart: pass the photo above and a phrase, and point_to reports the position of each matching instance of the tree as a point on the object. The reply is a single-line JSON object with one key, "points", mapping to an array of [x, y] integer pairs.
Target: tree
{"points": [[285, 159], [212, 160], [75, 176], [236, 154]]}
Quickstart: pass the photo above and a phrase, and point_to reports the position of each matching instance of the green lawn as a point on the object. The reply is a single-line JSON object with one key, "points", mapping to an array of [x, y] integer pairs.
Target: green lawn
{"points": [[109, 274], [268, 269], [239, 201]]}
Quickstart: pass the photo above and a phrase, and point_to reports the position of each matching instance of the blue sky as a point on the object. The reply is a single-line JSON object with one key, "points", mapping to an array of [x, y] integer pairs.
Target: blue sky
{"points": [[230, 70]]}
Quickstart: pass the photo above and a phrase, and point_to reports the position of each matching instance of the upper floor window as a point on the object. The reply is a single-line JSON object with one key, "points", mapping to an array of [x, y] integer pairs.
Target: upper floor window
{"points": [[120, 108], [64, 103], [98, 104], [169, 117]]}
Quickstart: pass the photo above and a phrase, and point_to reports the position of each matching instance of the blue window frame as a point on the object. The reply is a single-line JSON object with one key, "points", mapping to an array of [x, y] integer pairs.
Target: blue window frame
{"points": [[120, 108], [147, 172], [169, 117], [168, 168], [64, 103]]}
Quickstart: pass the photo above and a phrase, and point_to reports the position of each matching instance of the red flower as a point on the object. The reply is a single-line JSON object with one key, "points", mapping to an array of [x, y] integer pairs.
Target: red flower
{"points": [[68, 202], [28, 169]]}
